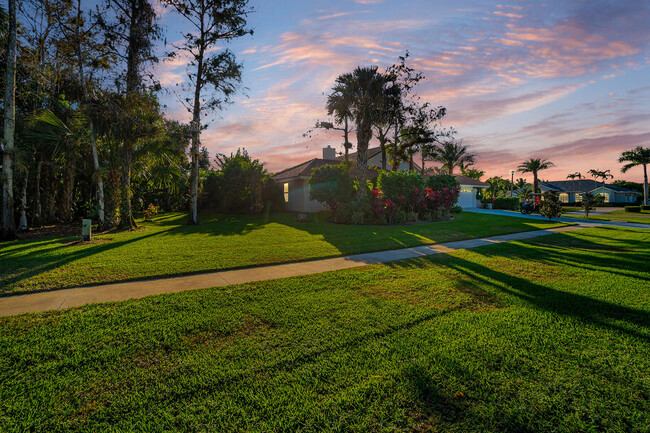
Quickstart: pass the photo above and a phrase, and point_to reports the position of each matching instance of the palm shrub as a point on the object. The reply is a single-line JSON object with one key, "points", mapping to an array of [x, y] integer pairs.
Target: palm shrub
{"points": [[551, 206]]}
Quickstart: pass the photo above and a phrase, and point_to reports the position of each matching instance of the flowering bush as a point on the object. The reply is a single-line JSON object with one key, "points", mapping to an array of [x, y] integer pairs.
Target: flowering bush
{"points": [[150, 212], [399, 197]]}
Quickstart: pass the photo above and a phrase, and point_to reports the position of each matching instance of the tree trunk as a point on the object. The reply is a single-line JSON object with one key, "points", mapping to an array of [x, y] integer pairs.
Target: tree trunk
{"points": [[67, 199], [381, 136], [645, 184], [193, 218], [346, 145], [364, 134], [7, 225], [22, 224], [535, 183], [50, 204], [411, 166], [37, 215], [126, 218], [100, 181]]}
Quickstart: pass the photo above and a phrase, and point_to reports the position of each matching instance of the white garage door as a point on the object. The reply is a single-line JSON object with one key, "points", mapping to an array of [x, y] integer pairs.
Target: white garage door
{"points": [[466, 198]]}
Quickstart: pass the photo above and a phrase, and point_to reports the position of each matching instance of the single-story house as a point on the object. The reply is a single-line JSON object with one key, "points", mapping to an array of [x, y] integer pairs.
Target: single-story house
{"points": [[469, 189], [571, 191], [294, 183]]}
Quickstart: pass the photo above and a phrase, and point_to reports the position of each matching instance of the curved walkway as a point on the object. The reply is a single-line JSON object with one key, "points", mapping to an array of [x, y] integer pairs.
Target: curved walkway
{"points": [[74, 297]]}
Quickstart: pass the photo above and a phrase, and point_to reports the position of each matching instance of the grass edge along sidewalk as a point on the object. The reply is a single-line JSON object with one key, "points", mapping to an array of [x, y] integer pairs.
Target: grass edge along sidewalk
{"points": [[74, 297]]}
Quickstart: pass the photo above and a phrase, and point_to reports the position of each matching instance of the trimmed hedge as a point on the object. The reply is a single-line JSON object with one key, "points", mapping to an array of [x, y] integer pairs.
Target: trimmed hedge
{"points": [[507, 203], [645, 207], [636, 209]]}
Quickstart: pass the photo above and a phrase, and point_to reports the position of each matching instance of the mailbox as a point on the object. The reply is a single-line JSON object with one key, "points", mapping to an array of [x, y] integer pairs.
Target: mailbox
{"points": [[86, 230]]}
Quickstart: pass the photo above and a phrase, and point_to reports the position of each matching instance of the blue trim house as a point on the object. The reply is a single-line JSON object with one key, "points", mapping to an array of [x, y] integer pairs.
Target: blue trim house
{"points": [[571, 191]]}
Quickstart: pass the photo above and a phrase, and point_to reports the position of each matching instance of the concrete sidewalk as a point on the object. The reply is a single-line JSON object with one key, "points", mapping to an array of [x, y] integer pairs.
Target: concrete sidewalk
{"points": [[74, 297], [581, 221]]}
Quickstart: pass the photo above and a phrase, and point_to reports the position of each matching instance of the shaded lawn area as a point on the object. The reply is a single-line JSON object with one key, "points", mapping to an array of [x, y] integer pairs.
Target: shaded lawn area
{"points": [[168, 246], [630, 217], [548, 335]]}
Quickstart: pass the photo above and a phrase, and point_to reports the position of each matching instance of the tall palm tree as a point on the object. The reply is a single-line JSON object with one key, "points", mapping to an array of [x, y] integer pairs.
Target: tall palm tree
{"points": [[339, 105], [534, 166], [365, 90], [635, 157], [451, 153], [601, 174]]}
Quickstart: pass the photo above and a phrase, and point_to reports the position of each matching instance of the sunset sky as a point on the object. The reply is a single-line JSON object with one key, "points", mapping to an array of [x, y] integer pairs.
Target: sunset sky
{"points": [[564, 80]]}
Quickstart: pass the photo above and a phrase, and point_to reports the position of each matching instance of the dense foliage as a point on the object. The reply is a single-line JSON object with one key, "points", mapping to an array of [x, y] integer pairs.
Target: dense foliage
{"points": [[550, 207], [241, 185], [507, 203], [332, 185], [589, 203], [399, 196]]}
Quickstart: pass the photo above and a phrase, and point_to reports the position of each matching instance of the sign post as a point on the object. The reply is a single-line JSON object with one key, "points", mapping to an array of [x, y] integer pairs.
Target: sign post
{"points": [[86, 230]]}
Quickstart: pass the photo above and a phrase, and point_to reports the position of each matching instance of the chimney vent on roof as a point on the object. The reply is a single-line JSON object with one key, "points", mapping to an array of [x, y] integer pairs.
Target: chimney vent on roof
{"points": [[329, 153]]}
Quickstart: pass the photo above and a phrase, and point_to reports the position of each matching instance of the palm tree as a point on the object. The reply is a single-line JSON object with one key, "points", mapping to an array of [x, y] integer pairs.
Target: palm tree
{"points": [[604, 175], [534, 166], [339, 105], [365, 96], [635, 157], [521, 183], [452, 154]]}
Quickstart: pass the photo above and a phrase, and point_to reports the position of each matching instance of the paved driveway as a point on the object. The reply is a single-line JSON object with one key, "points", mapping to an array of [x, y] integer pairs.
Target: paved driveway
{"points": [[579, 221]]}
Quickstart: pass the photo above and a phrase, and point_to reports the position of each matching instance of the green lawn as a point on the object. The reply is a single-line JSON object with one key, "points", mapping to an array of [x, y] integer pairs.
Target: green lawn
{"points": [[618, 215], [549, 335], [169, 247]]}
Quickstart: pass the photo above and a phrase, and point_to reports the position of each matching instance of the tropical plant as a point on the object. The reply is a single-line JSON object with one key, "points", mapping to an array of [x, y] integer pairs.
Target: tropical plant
{"points": [[590, 202], [339, 106], [332, 185], [521, 183], [472, 173], [451, 153], [366, 90], [534, 166], [640, 156], [601, 174], [213, 22], [551, 207]]}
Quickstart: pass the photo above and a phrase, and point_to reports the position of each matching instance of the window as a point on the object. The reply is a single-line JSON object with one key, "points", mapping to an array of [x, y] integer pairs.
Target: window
{"points": [[286, 193], [605, 196], [578, 198], [564, 197]]}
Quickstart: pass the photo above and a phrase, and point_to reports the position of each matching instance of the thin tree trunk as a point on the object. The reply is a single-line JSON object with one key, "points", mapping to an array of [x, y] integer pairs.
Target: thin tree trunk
{"points": [[382, 146], [645, 184], [67, 200], [126, 220], [22, 224], [37, 215], [50, 204], [100, 180], [535, 183], [346, 145], [411, 166], [7, 226], [364, 134], [196, 131]]}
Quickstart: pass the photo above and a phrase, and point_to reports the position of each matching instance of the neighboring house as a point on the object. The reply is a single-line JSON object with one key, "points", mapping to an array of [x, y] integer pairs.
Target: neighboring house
{"points": [[294, 183], [571, 191], [374, 160], [469, 189]]}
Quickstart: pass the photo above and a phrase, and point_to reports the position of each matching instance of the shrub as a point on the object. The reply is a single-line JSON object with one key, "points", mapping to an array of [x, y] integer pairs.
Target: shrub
{"points": [[456, 209], [551, 206], [636, 209], [150, 212], [507, 203], [645, 207], [332, 185], [589, 203], [403, 188]]}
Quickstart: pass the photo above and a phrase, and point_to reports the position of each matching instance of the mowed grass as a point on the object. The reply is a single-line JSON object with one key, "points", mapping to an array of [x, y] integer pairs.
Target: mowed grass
{"points": [[548, 335], [167, 246], [619, 215]]}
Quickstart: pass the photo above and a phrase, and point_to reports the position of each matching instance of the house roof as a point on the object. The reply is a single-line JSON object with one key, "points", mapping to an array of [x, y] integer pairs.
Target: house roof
{"points": [[468, 181], [303, 169], [372, 152], [582, 186]]}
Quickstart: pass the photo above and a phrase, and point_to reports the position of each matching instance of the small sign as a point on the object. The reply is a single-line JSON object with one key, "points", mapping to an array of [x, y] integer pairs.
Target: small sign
{"points": [[86, 230]]}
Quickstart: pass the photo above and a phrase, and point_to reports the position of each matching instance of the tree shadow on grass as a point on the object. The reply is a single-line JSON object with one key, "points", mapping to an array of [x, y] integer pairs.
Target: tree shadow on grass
{"points": [[34, 266], [631, 321]]}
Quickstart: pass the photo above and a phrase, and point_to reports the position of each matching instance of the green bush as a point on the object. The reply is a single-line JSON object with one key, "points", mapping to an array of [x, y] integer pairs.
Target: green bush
{"points": [[645, 207], [399, 186], [507, 203], [332, 185], [589, 203], [636, 209], [442, 181], [551, 207], [457, 209]]}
